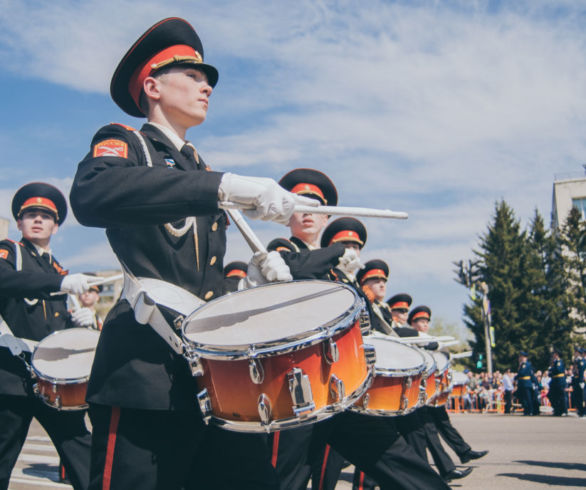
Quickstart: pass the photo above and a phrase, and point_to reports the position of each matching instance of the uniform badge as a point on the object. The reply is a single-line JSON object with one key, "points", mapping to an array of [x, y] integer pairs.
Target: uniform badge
{"points": [[3, 254], [111, 148], [170, 162]]}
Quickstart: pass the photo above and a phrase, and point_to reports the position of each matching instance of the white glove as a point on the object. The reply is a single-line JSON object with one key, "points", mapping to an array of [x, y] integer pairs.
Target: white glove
{"points": [[269, 200], [264, 268], [76, 283], [84, 317], [350, 262], [13, 343]]}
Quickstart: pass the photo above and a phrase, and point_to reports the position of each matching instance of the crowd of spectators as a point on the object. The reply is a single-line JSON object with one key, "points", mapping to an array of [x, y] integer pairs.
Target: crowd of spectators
{"points": [[497, 392]]}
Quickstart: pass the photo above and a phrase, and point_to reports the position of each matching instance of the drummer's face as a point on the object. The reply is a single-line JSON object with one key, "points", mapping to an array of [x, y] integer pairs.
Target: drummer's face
{"points": [[421, 325], [304, 224], [378, 286], [400, 315], [37, 226]]}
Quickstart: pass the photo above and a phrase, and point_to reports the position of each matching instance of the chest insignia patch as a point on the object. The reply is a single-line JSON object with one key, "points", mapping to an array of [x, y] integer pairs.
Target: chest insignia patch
{"points": [[170, 162]]}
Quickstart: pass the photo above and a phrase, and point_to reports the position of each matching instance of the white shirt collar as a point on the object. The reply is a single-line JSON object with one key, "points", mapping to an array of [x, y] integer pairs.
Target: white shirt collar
{"points": [[177, 141]]}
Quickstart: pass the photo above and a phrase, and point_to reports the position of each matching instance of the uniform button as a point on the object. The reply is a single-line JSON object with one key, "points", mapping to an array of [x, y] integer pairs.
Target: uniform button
{"points": [[208, 295], [213, 260], [56, 314], [215, 226]]}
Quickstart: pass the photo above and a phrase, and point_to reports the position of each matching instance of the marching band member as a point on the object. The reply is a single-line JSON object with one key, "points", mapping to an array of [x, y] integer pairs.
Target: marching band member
{"points": [[158, 202], [233, 273], [89, 299], [29, 273], [365, 441]]}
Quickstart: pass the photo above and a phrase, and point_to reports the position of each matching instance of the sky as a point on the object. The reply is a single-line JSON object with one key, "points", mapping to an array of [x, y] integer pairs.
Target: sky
{"points": [[439, 109]]}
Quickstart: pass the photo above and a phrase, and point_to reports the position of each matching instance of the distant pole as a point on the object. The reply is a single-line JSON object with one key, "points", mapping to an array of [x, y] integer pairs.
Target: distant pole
{"points": [[486, 321]]}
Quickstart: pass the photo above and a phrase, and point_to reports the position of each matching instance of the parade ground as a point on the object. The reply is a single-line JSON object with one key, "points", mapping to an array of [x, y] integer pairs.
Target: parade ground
{"points": [[525, 452]]}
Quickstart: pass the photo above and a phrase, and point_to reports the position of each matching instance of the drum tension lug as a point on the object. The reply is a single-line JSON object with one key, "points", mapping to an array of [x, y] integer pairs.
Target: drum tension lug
{"points": [[205, 405], [265, 410], [58, 404], [365, 400], [194, 362], [257, 374], [301, 394], [370, 355], [177, 322], [337, 388], [331, 351]]}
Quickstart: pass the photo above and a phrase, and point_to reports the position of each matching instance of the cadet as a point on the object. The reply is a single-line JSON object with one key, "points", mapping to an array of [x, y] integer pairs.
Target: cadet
{"points": [[29, 273], [233, 272], [525, 378], [373, 279], [557, 385], [158, 202], [578, 369]]}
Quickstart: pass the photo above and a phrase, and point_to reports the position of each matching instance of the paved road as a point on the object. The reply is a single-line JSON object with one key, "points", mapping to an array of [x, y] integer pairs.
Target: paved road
{"points": [[525, 453]]}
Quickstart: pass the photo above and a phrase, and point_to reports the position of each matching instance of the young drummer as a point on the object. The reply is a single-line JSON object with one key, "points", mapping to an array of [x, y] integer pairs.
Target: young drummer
{"points": [[158, 202]]}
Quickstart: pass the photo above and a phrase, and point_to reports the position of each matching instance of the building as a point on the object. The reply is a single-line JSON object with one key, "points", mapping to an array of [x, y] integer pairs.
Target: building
{"points": [[569, 190]]}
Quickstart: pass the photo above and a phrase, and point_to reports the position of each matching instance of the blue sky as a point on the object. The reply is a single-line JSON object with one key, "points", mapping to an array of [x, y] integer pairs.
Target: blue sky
{"points": [[436, 108]]}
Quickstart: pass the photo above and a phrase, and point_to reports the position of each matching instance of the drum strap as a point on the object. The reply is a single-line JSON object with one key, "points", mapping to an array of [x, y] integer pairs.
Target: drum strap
{"points": [[145, 304]]}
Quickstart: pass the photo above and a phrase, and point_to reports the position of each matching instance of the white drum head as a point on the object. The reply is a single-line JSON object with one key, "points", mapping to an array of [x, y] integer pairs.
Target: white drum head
{"points": [[441, 361], [430, 365], [393, 356], [459, 378], [275, 312], [66, 354]]}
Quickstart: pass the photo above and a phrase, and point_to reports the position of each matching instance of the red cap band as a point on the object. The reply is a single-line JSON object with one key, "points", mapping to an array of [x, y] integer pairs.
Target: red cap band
{"points": [[400, 304], [373, 273], [346, 236], [39, 202], [146, 69], [304, 188], [236, 272], [420, 314]]}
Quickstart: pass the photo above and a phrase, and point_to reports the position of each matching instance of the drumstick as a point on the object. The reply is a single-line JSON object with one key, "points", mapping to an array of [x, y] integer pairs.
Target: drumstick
{"points": [[461, 355], [98, 281], [333, 210], [253, 241]]}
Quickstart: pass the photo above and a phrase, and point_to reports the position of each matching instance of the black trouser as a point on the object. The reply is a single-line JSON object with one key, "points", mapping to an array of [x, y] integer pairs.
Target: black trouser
{"points": [[578, 399], [525, 393], [66, 429], [557, 397], [374, 445], [144, 449], [448, 432], [508, 396], [233, 460]]}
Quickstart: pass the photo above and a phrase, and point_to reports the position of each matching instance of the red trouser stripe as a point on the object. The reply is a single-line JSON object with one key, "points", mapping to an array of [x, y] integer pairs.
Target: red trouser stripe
{"points": [[323, 467], [361, 481], [114, 419], [275, 448]]}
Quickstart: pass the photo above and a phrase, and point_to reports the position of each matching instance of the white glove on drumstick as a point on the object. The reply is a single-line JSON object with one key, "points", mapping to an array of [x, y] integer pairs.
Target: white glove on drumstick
{"points": [[76, 283], [84, 317], [349, 263], [263, 268], [269, 200]]}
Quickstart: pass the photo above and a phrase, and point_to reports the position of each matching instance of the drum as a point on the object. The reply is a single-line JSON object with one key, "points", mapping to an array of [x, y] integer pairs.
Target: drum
{"points": [[459, 383], [428, 384], [279, 355], [62, 363], [443, 378], [398, 371]]}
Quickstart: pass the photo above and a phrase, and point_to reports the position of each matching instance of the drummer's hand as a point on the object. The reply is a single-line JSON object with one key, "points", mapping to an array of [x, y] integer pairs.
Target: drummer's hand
{"points": [[264, 268], [350, 262], [76, 283], [84, 317], [270, 201], [13, 343]]}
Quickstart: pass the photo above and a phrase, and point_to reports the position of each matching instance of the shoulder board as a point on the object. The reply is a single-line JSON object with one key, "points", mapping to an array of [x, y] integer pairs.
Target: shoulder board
{"points": [[128, 128]]}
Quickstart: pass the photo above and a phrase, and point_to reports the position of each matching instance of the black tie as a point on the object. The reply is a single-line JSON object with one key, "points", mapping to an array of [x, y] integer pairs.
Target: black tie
{"points": [[47, 257], [190, 153]]}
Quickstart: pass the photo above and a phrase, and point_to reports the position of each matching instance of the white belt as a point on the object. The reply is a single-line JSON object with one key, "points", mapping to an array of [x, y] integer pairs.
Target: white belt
{"points": [[145, 295]]}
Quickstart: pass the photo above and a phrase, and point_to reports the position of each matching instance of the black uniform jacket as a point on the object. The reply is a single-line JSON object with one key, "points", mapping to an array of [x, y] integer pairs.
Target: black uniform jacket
{"points": [[27, 307], [144, 211]]}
